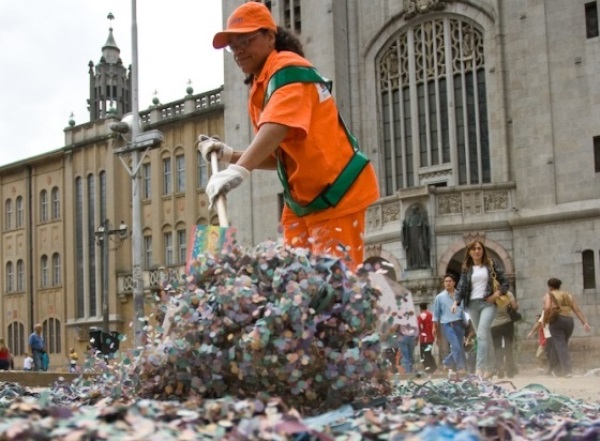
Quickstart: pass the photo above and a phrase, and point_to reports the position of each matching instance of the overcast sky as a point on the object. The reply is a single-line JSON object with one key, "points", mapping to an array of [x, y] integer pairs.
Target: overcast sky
{"points": [[46, 46]]}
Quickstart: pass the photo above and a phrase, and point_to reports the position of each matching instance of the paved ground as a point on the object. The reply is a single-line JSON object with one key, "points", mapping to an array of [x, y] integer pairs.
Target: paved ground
{"points": [[582, 387]]}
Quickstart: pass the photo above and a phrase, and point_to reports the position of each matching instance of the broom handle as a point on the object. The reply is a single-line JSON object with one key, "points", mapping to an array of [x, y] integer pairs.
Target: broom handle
{"points": [[220, 201]]}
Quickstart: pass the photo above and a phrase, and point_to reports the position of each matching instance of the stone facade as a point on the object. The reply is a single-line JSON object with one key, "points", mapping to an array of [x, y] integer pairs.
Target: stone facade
{"points": [[540, 208]]}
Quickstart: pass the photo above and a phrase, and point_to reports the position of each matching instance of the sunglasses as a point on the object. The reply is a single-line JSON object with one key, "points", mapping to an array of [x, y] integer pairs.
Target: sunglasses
{"points": [[242, 43]]}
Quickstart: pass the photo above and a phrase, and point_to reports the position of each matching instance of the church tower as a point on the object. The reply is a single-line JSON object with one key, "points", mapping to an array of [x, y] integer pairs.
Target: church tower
{"points": [[110, 83]]}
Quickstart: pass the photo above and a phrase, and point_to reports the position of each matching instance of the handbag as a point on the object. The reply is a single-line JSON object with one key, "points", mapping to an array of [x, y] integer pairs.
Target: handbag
{"points": [[515, 316]]}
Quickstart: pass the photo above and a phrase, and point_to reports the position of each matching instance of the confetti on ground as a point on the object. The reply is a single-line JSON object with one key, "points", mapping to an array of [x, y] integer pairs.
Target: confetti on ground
{"points": [[278, 345]]}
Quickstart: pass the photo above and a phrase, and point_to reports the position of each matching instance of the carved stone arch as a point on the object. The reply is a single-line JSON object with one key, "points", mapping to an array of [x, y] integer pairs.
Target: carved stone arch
{"points": [[457, 247], [394, 271], [178, 149]]}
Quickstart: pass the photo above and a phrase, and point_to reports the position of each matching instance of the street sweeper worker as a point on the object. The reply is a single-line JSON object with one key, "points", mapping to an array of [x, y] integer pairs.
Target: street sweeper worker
{"points": [[328, 183]]}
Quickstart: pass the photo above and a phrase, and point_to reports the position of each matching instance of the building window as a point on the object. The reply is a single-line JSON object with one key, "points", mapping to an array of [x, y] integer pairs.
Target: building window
{"points": [[55, 203], [168, 239], [167, 176], [291, 15], [597, 153], [16, 338], [591, 20], [44, 271], [10, 277], [102, 179], [44, 206], [422, 71], [20, 275], [91, 246], [51, 330], [79, 249], [147, 181], [8, 214], [202, 171], [148, 252], [180, 165], [19, 207], [588, 269], [56, 279], [182, 245]]}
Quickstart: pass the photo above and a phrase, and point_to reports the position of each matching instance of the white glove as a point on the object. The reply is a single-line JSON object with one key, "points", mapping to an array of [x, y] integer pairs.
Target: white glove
{"points": [[222, 182], [208, 145]]}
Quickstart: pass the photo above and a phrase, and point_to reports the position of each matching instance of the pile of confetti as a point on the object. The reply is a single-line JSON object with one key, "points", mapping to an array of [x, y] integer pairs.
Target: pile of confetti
{"points": [[270, 322], [277, 344], [468, 410]]}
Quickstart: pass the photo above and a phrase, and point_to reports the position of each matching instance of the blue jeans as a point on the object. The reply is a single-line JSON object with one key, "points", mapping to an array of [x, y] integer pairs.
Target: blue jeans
{"points": [[482, 315], [407, 349], [37, 360], [455, 334]]}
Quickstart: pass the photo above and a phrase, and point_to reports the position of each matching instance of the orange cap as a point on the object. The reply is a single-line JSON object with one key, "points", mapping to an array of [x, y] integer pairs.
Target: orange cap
{"points": [[249, 17]]}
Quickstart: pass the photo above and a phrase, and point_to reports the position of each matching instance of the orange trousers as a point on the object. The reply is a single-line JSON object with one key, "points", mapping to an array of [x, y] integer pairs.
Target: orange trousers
{"points": [[340, 236]]}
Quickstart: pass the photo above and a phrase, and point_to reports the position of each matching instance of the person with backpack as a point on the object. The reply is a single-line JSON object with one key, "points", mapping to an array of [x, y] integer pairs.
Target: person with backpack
{"points": [[328, 183]]}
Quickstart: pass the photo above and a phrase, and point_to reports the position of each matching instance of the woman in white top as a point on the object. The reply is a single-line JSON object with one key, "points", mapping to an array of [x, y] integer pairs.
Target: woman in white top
{"points": [[481, 283]]}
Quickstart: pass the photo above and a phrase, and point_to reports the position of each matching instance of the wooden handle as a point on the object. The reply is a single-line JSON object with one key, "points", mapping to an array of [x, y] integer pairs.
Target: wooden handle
{"points": [[220, 201]]}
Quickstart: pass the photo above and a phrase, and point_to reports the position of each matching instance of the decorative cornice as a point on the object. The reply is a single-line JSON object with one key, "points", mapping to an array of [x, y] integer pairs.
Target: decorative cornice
{"points": [[416, 7]]}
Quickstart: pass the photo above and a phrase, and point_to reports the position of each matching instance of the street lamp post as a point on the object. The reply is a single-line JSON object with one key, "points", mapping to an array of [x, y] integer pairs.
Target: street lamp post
{"points": [[103, 235], [138, 144]]}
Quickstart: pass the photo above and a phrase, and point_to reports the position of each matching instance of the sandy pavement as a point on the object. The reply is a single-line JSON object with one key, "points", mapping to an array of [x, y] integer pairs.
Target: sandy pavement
{"points": [[582, 387]]}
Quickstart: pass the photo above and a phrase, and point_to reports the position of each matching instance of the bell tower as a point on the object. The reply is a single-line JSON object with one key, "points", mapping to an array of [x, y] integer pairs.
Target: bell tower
{"points": [[110, 82]]}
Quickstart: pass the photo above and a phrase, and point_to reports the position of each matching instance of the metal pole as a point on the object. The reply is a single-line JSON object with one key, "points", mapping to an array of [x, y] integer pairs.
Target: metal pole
{"points": [[136, 200], [104, 246]]}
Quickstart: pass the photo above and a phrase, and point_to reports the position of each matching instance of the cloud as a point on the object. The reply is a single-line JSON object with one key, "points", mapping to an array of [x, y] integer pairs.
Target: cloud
{"points": [[47, 46]]}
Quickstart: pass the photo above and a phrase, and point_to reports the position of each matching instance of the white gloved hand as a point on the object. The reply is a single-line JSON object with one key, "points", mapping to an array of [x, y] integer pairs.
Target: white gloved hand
{"points": [[222, 182], [208, 145]]}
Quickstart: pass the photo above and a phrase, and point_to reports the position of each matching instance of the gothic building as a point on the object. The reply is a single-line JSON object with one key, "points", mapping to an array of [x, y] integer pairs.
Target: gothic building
{"points": [[482, 120]]}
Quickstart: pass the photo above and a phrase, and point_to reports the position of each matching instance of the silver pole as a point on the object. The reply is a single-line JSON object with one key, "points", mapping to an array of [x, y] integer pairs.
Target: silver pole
{"points": [[136, 217], [104, 245]]}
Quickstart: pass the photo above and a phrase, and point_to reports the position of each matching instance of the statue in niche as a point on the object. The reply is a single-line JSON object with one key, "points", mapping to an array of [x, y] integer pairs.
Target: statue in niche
{"points": [[415, 238]]}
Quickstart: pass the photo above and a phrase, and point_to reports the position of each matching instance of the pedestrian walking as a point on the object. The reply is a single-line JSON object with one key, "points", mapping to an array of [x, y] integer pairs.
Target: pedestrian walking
{"points": [[451, 320], [562, 323], [481, 283], [5, 356], [37, 347], [426, 339], [503, 335]]}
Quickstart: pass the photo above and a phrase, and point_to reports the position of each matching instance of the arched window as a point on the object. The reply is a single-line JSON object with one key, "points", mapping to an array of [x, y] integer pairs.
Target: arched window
{"points": [[202, 167], [79, 248], [51, 330], [20, 275], [588, 269], [20, 219], [433, 106], [91, 244], [168, 244], [8, 214], [10, 277], [44, 276], [56, 269], [55, 203], [16, 338], [167, 176], [43, 206], [180, 173]]}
